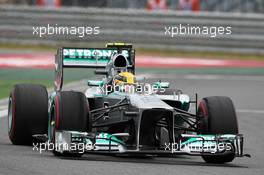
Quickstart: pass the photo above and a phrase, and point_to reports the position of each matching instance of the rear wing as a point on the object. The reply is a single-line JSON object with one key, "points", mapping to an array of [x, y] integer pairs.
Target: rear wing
{"points": [[89, 58]]}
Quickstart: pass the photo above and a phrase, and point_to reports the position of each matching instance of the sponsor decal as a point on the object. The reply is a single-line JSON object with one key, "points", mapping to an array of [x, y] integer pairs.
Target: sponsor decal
{"points": [[91, 53]]}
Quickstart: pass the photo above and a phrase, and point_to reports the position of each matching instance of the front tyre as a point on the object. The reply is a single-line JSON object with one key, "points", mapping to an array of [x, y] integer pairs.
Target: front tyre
{"points": [[218, 117], [70, 112]]}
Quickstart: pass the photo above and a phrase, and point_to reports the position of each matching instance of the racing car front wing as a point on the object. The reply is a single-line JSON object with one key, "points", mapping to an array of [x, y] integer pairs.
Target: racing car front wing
{"points": [[189, 144]]}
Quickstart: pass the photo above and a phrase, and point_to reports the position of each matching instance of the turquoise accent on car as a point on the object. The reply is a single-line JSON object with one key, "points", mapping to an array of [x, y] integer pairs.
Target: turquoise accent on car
{"points": [[104, 139], [160, 84], [95, 83]]}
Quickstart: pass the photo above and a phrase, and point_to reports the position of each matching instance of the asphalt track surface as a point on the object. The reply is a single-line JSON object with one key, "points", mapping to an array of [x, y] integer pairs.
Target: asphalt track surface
{"points": [[247, 94]]}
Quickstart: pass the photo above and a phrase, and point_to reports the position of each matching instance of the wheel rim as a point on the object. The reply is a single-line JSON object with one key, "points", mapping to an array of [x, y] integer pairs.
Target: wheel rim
{"points": [[10, 114], [203, 113], [52, 124]]}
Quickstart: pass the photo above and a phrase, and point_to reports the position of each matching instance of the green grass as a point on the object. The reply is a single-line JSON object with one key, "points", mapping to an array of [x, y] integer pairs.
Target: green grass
{"points": [[7, 85], [10, 77], [43, 74]]}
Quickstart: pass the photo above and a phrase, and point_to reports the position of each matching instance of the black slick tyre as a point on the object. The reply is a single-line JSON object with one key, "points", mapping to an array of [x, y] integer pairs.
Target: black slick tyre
{"points": [[70, 113], [218, 117], [27, 113]]}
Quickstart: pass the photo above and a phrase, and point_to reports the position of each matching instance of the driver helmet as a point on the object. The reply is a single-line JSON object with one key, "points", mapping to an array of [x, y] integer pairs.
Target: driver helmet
{"points": [[125, 78], [125, 82]]}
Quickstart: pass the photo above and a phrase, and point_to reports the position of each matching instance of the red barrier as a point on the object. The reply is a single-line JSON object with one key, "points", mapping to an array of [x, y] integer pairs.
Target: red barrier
{"points": [[47, 61]]}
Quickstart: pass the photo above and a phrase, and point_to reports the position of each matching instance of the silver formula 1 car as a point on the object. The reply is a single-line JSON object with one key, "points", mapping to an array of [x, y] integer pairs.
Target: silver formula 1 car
{"points": [[147, 120]]}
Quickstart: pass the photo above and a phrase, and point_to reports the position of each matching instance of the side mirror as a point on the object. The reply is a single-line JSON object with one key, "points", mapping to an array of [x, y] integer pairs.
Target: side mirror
{"points": [[101, 72], [140, 78], [160, 84], [95, 83]]}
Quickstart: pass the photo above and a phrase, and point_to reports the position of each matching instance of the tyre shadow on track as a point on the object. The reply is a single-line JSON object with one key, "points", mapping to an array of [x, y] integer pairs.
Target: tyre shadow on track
{"points": [[176, 160], [179, 160]]}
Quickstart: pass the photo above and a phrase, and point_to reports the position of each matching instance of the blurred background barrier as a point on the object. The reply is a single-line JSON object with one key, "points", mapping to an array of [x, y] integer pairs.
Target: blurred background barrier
{"points": [[243, 6], [142, 27]]}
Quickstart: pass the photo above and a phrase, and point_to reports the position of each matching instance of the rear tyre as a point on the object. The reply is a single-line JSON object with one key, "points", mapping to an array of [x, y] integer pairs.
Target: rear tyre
{"points": [[27, 113], [70, 113], [219, 117]]}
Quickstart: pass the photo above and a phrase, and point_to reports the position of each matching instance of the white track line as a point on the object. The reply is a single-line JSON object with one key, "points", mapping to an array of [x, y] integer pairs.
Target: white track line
{"points": [[250, 111], [3, 113], [206, 77], [225, 77]]}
